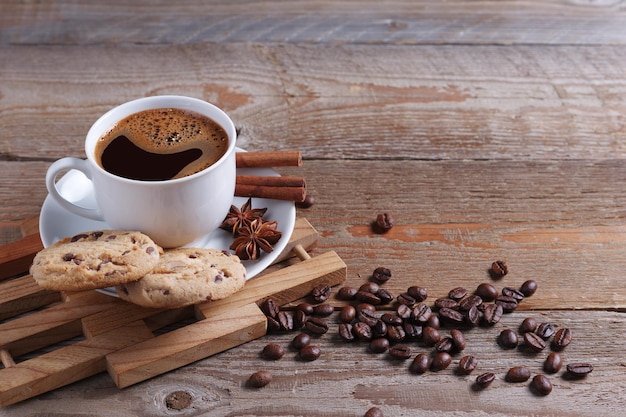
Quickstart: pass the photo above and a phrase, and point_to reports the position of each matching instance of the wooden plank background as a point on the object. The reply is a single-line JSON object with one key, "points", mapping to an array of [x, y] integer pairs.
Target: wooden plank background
{"points": [[490, 130]]}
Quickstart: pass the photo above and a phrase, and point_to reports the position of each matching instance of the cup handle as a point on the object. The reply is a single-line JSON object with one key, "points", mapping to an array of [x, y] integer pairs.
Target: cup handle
{"points": [[81, 165]]}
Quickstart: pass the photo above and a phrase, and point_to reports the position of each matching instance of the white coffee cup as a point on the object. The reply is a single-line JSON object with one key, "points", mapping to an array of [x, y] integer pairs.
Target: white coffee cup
{"points": [[172, 212]]}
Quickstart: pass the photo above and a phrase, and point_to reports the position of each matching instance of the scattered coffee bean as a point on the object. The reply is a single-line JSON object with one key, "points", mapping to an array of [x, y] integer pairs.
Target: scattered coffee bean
{"points": [[406, 299], [485, 379], [418, 293], [273, 351], [270, 308], [508, 339], [367, 297], [486, 292], [553, 363], [541, 385], [449, 315], [362, 331], [323, 310], [260, 379], [562, 338], [374, 412], [446, 303], [321, 293], [509, 304], [385, 296], [396, 333], [365, 306], [272, 325], [346, 293], [512, 292], [499, 269], [421, 313], [528, 325], [467, 364], [316, 325], [528, 288], [579, 369], [310, 353], [430, 336], [346, 332], [518, 374], [400, 352], [384, 222], [299, 318], [457, 293], [379, 345], [381, 275], [492, 314], [420, 364], [411, 330], [370, 287], [433, 321], [458, 339], [444, 344], [391, 319], [545, 330], [534, 342], [472, 301], [441, 361], [379, 329], [308, 201], [301, 341], [368, 317], [306, 308], [347, 314], [403, 311], [473, 316], [285, 318]]}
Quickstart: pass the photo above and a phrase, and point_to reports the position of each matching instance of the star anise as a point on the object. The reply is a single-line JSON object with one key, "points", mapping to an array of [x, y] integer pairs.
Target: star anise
{"points": [[240, 218], [256, 237]]}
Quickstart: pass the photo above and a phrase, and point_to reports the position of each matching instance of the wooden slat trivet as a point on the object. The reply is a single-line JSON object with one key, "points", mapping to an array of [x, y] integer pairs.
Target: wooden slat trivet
{"points": [[123, 338]]}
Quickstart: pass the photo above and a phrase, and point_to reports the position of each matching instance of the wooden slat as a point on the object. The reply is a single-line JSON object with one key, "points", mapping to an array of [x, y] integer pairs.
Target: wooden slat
{"points": [[16, 257], [23, 294]]}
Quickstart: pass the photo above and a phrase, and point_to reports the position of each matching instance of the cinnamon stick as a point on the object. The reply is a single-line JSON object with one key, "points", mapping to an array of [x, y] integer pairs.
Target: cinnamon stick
{"points": [[271, 181], [268, 159], [295, 194]]}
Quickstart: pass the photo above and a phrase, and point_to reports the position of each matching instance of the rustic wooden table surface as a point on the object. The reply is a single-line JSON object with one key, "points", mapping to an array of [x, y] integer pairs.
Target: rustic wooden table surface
{"points": [[489, 130]]}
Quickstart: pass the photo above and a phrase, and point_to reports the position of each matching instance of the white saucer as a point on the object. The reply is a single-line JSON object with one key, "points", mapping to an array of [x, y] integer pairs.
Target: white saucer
{"points": [[56, 223]]}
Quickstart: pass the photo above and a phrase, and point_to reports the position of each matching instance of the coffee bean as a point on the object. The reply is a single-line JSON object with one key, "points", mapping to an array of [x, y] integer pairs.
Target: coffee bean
{"points": [[299, 318], [370, 287], [301, 341], [367, 297], [323, 310], [562, 338], [400, 352], [541, 385], [512, 292], [528, 325], [273, 351], [306, 308], [385, 296], [411, 330], [403, 311], [346, 293], [446, 303], [418, 293], [451, 316], [406, 299], [528, 288], [379, 345], [472, 301], [362, 331], [441, 361], [420, 364], [384, 222], [379, 329], [308, 202], [260, 379], [492, 314], [321, 293], [430, 336], [444, 344], [310, 353], [396, 333], [499, 269], [467, 364], [346, 332], [316, 325], [381, 275], [420, 313], [486, 292], [518, 374], [285, 318], [391, 319], [534, 342], [365, 306], [368, 317], [553, 363], [545, 330], [272, 325], [485, 379], [458, 339], [457, 293], [270, 308], [433, 321], [508, 339], [347, 314], [374, 412], [509, 304], [579, 369], [473, 316]]}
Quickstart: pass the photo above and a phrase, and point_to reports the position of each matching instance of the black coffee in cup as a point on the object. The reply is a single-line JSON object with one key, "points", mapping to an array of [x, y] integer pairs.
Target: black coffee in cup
{"points": [[161, 144]]}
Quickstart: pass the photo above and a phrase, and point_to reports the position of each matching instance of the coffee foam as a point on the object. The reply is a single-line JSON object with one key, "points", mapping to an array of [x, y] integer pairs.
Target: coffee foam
{"points": [[168, 131]]}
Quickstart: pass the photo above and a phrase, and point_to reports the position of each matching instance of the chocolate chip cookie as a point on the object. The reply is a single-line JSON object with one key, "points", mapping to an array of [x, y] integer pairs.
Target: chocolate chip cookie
{"points": [[96, 259], [187, 276]]}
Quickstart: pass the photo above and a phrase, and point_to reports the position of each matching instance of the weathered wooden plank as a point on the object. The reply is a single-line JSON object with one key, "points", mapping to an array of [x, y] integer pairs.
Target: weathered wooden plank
{"points": [[431, 102], [394, 22]]}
